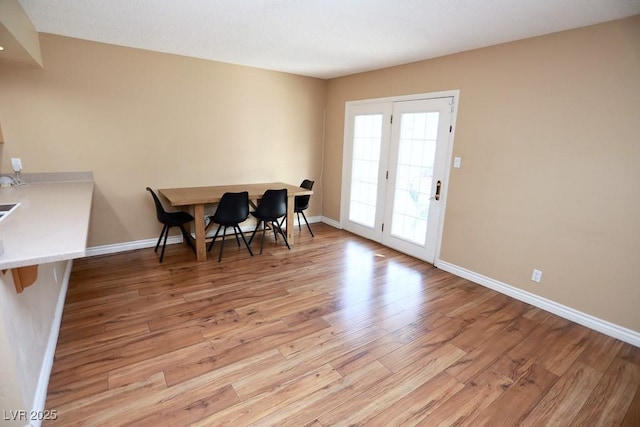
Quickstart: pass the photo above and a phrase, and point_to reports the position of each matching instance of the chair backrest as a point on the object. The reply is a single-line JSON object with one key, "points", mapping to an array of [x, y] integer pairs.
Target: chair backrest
{"points": [[307, 183], [302, 202], [273, 204], [232, 209], [160, 212]]}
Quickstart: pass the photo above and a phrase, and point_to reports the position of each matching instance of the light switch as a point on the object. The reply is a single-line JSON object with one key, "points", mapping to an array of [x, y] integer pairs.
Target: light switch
{"points": [[456, 162]]}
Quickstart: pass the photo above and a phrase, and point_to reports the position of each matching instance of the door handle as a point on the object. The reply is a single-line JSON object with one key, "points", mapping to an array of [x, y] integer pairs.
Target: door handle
{"points": [[438, 186]]}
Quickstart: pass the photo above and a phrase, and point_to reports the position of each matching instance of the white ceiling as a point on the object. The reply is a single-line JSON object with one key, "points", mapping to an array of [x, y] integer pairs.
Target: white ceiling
{"points": [[318, 38]]}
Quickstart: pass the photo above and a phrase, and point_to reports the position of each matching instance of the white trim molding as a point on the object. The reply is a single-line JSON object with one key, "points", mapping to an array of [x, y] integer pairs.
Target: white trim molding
{"points": [[128, 246], [150, 243], [607, 328], [40, 396], [332, 222]]}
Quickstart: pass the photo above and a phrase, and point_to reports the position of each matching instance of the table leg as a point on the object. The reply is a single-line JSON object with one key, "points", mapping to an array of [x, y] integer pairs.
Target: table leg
{"points": [[201, 250], [290, 213]]}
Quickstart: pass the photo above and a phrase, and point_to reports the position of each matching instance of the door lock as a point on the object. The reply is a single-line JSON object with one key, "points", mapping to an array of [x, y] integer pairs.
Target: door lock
{"points": [[438, 186]]}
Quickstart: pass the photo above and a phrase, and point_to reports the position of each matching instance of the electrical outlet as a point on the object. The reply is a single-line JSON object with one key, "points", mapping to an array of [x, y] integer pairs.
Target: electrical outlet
{"points": [[16, 163], [536, 276]]}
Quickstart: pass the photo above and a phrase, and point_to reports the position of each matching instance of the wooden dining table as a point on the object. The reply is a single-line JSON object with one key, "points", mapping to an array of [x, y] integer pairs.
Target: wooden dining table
{"points": [[196, 198]]}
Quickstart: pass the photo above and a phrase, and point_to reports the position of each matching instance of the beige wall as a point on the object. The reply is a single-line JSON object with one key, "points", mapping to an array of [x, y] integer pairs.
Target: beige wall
{"points": [[549, 134], [547, 130], [138, 118]]}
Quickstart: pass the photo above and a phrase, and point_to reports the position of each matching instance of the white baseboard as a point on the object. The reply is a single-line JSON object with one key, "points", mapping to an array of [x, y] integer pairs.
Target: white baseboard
{"points": [[607, 328], [128, 246], [331, 222], [150, 243], [40, 397]]}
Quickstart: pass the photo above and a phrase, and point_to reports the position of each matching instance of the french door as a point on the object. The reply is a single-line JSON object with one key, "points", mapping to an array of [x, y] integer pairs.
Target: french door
{"points": [[394, 176]]}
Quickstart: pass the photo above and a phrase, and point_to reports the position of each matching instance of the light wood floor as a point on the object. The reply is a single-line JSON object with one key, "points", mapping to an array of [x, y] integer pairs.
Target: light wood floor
{"points": [[337, 331]]}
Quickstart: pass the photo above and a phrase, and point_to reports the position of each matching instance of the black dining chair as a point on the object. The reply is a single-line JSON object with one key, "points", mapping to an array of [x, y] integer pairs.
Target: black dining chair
{"points": [[271, 208], [232, 210], [301, 204], [168, 220]]}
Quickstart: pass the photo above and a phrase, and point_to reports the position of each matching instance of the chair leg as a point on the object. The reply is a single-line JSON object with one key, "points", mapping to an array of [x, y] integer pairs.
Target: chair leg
{"points": [[299, 227], [284, 236], [164, 244], [243, 239], [164, 228], [307, 222], [224, 233], [236, 234], [264, 229], [215, 236], [254, 231]]}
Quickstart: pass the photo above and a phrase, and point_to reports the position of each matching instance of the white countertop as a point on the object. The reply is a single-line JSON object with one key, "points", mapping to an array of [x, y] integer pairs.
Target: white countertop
{"points": [[51, 223]]}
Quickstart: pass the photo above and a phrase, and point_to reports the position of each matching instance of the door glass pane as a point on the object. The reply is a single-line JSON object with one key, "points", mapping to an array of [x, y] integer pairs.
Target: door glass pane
{"points": [[414, 176], [367, 136]]}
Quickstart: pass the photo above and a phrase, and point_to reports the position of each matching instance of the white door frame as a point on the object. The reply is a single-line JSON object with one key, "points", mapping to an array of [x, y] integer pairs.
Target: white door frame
{"points": [[346, 155]]}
